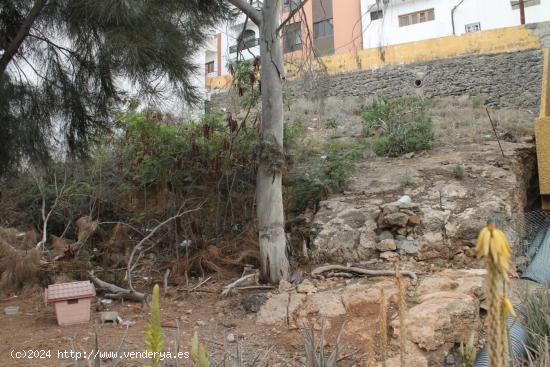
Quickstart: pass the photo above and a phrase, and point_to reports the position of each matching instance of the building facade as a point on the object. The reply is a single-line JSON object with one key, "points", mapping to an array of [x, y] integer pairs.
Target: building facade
{"points": [[391, 22], [334, 28]]}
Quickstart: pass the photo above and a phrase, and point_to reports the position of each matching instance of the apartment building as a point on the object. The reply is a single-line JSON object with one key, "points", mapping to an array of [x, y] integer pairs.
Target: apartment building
{"points": [[336, 27], [390, 22]]}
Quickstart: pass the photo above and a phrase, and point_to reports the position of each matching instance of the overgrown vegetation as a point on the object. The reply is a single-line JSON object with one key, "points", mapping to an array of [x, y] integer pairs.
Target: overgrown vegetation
{"points": [[398, 125], [537, 323]]}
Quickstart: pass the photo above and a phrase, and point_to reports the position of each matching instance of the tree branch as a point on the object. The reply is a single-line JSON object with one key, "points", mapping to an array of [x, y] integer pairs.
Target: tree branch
{"points": [[254, 14], [291, 15], [12, 48], [146, 238]]}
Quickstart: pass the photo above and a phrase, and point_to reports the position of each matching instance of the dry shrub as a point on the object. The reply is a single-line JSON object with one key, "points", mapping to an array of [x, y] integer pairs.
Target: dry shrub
{"points": [[17, 267], [226, 258], [59, 246], [86, 227], [8, 234], [116, 249]]}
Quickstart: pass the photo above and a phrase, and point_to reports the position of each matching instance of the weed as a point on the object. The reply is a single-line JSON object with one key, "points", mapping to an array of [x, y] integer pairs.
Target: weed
{"points": [[399, 125], [537, 323], [407, 181], [477, 102], [458, 171], [468, 351], [331, 123]]}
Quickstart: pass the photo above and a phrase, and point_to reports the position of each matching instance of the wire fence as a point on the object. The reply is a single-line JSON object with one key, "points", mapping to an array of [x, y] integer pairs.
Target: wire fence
{"points": [[522, 230]]}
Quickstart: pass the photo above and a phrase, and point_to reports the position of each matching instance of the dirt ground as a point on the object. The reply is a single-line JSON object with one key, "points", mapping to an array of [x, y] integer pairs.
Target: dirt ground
{"points": [[35, 328]]}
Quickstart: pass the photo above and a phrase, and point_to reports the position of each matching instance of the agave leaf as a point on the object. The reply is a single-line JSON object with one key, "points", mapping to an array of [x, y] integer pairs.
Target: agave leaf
{"points": [[203, 358], [195, 347]]}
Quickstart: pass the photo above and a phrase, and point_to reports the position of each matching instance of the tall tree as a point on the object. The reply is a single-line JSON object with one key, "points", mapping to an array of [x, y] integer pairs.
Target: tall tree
{"points": [[272, 239], [65, 64]]}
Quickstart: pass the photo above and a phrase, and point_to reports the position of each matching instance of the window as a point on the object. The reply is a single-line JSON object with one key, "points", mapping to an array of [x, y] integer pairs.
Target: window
{"points": [[416, 17], [322, 28], [209, 67], [292, 39], [473, 27], [377, 14], [288, 5], [526, 3]]}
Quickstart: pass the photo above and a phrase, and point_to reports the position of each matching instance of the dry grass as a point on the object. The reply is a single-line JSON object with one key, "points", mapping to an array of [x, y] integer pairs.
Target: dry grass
{"points": [[17, 267], [457, 119]]}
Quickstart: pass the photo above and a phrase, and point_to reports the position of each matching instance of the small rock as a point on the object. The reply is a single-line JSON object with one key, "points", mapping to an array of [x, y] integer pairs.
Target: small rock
{"points": [[414, 220], [385, 235], [306, 287], [390, 208], [450, 360], [388, 255], [397, 219], [405, 199], [386, 245], [284, 285], [201, 323], [231, 338]]}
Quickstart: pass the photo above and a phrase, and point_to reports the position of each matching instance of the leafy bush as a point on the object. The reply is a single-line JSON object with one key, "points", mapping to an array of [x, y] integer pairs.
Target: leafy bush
{"points": [[326, 175], [398, 125]]}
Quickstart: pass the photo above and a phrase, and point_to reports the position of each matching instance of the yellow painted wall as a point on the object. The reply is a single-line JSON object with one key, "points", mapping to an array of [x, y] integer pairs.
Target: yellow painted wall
{"points": [[486, 42], [542, 135], [545, 95]]}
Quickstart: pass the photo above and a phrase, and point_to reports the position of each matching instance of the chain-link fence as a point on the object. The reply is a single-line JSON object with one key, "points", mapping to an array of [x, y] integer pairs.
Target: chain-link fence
{"points": [[525, 232]]}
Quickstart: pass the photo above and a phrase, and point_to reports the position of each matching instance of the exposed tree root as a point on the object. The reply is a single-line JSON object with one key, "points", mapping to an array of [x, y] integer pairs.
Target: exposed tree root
{"points": [[318, 272]]}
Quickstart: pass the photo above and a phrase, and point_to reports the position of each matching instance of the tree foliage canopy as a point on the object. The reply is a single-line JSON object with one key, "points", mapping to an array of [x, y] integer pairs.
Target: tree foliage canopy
{"points": [[64, 65]]}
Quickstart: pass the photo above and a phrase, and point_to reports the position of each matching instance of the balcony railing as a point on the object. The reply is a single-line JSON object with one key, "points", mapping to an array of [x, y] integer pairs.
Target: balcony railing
{"points": [[243, 45]]}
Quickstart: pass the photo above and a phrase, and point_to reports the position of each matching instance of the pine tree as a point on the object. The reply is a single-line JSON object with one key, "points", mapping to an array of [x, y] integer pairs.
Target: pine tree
{"points": [[66, 64]]}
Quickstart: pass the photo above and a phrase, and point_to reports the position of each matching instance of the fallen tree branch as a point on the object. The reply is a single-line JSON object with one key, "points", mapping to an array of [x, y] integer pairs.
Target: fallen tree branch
{"points": [[147, 238], [245, 281], [317, 272], [116, 292]]}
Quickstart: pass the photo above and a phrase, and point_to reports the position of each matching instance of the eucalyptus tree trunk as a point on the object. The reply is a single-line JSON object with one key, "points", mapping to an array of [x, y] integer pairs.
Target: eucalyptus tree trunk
{"points": [[274, 261]]}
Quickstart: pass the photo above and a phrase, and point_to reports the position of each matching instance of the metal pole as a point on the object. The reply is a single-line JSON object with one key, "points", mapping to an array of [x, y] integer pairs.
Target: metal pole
{"points": [[522, 11]]}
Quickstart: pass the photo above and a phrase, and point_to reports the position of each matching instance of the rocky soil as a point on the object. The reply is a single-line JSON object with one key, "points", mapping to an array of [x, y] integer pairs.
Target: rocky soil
{"points": [[442, 212]]}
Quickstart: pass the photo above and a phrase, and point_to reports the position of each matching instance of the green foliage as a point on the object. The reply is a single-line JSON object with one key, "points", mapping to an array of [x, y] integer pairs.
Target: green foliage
{"points": [[76, 90], [398, 125], [154, 340], [326, 175], [331, 123], [458, 171]]}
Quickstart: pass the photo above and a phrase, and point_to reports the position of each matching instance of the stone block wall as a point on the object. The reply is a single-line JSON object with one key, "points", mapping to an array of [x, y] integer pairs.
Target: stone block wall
{"points": [[507, 80]]}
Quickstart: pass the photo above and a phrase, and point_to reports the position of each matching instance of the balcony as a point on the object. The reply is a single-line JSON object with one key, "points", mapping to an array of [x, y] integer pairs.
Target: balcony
{"points": [[243, 45]]}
